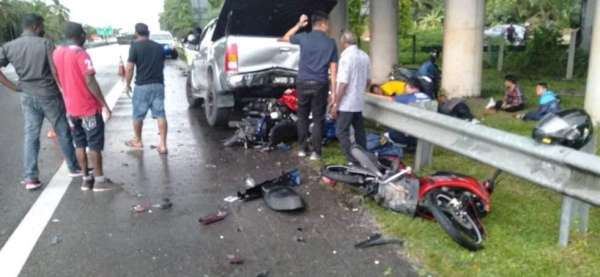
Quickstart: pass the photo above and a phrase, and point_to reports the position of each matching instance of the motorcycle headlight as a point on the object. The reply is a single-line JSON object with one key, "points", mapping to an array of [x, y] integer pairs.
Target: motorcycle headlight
{"points": [[275, 115]]}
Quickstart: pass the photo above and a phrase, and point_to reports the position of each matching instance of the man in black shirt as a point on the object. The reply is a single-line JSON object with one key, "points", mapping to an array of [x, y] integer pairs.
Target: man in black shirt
{"points": [[318, 59], [148, 59]]}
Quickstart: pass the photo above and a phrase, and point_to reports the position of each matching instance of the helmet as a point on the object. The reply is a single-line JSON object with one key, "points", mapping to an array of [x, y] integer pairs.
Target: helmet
{"points": [[571, 128]]}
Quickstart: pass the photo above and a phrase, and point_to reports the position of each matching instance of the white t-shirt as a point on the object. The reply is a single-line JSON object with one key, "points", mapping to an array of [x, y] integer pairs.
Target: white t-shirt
{"points": [[353, 70]]}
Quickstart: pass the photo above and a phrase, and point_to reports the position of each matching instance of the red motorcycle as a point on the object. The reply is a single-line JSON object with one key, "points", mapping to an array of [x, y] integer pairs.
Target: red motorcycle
{"points": [[457, 202]]}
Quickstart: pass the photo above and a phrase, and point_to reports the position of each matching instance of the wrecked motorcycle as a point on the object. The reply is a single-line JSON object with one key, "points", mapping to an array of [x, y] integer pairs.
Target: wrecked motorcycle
{"points": [[457, 202], [267, 122]]}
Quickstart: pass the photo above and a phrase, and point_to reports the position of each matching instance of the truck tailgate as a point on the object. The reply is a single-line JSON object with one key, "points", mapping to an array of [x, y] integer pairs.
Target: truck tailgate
{"points": [[262, 53]]}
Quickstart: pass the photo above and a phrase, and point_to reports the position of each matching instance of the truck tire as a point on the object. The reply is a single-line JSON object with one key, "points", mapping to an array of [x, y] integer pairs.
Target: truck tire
{"points": [[193, 102], [215, 116]]}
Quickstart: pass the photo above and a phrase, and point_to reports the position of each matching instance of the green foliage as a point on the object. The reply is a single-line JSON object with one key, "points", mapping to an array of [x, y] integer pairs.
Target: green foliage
{"points": [[55, 15], [561, 13], [405, 17], [356, 18], [545, 55], [177, 17]]}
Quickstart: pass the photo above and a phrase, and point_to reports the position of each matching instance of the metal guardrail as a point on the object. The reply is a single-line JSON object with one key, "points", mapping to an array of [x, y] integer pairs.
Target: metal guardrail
{"points": [[570, 172]]}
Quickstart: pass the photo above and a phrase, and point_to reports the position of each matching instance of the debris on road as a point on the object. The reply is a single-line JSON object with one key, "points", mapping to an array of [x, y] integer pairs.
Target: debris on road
{"points": [[164, 205], [299, 239], [212, 166], [210, 219], [376, 262], [55, 220], [55, 240], [250, 182], [231, 199], [235, 260], [263, 274], [140, 208], [376, 240]]}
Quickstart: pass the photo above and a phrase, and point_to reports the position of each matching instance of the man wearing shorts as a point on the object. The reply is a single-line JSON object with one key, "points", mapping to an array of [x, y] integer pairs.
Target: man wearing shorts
{"points": [[84, 103], [148, 59]]}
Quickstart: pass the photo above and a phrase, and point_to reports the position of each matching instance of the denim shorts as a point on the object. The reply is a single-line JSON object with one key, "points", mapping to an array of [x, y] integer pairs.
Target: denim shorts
{"points": [[149, 97], [87, 131]]}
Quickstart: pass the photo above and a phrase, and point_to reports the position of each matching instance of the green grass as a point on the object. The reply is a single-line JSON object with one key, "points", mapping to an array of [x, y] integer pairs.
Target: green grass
{"points": [[523, 226]]}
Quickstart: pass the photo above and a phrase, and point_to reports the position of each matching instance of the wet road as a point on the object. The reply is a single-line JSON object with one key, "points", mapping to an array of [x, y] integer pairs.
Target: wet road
{"points": [[97, 234]]}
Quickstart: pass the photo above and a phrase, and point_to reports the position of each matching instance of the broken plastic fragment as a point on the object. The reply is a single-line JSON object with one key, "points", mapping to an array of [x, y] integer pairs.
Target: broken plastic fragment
{"points": [[236, 260], [210, 219], [55, 240], [139, 208], [231, 199]]}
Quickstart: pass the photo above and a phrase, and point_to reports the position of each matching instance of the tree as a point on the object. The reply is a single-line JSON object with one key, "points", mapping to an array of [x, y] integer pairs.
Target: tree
{"points": [[177, 17], [11, 11]]}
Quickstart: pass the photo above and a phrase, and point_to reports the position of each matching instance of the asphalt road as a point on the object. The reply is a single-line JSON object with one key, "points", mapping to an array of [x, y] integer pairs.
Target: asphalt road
{"points": [[14, 200], [98, 234]]}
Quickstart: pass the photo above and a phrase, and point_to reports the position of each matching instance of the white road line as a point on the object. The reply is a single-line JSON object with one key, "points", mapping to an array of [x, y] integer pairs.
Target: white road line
{"points": [[17, 249]]}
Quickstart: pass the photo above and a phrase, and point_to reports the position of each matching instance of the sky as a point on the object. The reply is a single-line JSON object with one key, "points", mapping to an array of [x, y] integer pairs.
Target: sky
{"points": [[116, 13]]}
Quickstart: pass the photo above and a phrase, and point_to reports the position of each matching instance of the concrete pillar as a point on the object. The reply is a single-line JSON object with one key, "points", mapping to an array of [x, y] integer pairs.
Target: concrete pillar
{"points": [[587, 23], [463, 47], [592, 95], [384, 38], [338, 20]]}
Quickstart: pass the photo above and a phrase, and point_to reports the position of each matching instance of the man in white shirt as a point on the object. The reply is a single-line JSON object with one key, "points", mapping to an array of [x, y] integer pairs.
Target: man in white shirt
{"points": [[353, 80]]}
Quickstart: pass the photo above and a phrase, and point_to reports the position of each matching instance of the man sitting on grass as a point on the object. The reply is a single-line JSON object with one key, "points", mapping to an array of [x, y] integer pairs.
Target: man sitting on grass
{"points": [[548, 104], [513, 100]]}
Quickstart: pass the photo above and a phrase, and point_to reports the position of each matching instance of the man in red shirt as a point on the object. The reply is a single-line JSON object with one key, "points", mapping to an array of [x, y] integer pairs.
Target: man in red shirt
{"points": [[84, 103]]}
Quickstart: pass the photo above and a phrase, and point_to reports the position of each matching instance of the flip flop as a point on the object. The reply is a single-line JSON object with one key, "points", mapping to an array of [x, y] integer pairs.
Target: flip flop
{"points": [[132, 144]]}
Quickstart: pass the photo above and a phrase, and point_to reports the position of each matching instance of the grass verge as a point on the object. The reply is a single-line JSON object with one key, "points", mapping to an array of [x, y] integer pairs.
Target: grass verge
{"points": [[523, 226]]}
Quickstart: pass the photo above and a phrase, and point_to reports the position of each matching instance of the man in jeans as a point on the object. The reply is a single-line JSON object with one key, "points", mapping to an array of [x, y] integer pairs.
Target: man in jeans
{"points": [[84, 103], [30, 55], [353, 80], [318, 56], [148, 59]]}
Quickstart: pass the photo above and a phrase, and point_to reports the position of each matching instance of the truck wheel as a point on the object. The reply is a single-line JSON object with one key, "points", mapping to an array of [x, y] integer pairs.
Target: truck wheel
{"points": [[189, 93], [215, 116]]}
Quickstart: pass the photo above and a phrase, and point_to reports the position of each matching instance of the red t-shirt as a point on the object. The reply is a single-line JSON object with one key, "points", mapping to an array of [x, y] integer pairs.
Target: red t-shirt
{"points": [[73, 64]]}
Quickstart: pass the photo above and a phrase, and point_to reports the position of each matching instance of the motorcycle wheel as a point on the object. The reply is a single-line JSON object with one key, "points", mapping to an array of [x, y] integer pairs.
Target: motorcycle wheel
{"points": [[342, 174], [461, 223]]}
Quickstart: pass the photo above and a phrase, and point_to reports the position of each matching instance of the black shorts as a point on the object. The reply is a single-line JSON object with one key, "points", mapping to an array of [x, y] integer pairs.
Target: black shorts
{"points": [[88, 131]]}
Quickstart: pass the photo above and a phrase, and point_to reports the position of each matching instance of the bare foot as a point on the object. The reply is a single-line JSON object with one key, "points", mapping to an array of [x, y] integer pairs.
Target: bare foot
{"points": [[162, 150], [134, 144]]}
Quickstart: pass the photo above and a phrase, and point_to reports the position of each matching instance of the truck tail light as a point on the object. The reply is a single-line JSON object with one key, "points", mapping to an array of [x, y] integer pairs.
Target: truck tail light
{"points": [[231, 58]]}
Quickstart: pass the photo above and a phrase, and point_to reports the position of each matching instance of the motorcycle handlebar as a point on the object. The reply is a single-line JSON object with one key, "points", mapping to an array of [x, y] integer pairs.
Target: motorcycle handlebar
{"points": [[398, 175]]}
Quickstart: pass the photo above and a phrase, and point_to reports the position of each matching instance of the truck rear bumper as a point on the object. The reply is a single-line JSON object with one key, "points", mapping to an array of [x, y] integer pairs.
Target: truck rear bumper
{"points": [[267, 82]]}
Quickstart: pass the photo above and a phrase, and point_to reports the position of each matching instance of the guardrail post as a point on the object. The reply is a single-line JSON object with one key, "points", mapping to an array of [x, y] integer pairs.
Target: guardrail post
{"points": [[423, 155], [565, 220], [424, 151], [571, 206]]}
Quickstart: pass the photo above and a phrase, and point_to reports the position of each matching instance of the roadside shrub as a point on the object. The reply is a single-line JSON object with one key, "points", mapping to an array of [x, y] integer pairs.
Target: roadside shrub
{"points": [[545, 55]]}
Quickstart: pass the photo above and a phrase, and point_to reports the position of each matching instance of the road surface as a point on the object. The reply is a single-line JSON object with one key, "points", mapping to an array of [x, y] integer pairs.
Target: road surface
{"points": [[98, 234]]}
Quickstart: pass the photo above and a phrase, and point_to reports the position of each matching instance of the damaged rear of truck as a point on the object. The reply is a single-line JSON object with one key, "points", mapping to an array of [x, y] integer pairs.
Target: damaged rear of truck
{"points": [[240, 55]]}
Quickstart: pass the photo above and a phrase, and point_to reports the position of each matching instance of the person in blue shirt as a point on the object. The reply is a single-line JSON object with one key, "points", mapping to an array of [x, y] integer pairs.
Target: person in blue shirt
{"points": [[429, 72], [413, 95], [548, 104]]}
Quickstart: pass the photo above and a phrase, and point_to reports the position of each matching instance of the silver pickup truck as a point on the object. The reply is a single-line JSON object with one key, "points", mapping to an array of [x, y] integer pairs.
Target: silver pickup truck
{"points": [[240, 56], [236, 67]]}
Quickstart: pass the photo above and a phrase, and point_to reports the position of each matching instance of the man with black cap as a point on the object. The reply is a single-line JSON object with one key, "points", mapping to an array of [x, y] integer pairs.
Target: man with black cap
{"points": [[30, 54], [84, 102], [147, 57]]}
